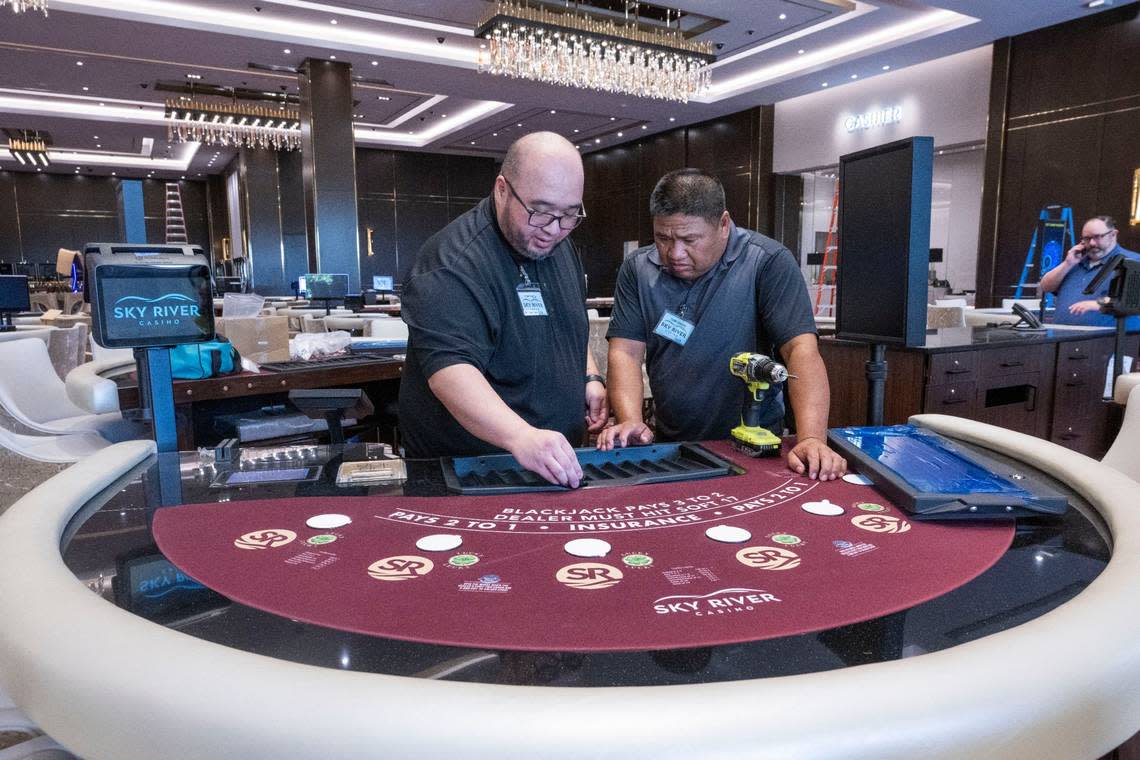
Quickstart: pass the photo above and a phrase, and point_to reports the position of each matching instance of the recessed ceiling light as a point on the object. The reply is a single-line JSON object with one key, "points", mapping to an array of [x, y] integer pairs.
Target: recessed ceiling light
{"points": [[613, 118], [333, 21], [79, 63], [97, 145], [443, 116], [824, 84], [193, 76], [671, 119], [472, 142], [85, 89], [597, 140], [553, 111], [519, 124], [887, 67], [854, 76], [376, 63], [95, 137], [783, 16], [113, 174], [1096, 3], [382, 97], [620, 134], [644, 126], [102, 103], [332, 57], [800, 51], [286, 51], [410, 132], [575, 131], [494, 134]]}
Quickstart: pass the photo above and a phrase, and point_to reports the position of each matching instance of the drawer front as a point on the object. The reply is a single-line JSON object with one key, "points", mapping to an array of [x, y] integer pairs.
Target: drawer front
{"points": [[953, 368], [1011, 360], [952, 398], [1077, 351]]}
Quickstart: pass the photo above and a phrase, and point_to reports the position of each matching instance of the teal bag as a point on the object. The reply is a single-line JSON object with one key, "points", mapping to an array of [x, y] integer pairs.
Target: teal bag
{"points": [[196, 361]]}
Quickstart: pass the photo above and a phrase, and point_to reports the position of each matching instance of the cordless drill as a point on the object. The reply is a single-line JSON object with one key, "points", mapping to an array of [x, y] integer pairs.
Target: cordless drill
{"points": [[758, 372]]}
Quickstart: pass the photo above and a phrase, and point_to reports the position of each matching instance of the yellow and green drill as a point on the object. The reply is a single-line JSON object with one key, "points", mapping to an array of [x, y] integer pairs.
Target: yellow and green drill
{"points": [[759, 373]]}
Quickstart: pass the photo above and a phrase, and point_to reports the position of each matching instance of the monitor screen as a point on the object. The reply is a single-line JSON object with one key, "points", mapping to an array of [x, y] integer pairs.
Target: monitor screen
{"points": [[153, 305], [884, 242], [326, 286], [383, 283], [14, 293]]}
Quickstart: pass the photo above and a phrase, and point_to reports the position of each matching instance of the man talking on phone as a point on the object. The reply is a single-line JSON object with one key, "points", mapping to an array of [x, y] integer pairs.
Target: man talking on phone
{"points": [[1080, 265]]}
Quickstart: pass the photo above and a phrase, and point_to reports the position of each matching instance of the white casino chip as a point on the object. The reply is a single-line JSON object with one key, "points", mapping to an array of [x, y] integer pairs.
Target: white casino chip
{"points": [[727, 534], [825, 508], [328, 522], [587, 547], [439, 542], [857, 479]]}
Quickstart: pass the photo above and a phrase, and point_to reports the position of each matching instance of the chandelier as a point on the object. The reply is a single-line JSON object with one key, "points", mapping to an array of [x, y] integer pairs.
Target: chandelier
{"points": [[233, 124], [19, 6], [593, 52], [29, 151]]}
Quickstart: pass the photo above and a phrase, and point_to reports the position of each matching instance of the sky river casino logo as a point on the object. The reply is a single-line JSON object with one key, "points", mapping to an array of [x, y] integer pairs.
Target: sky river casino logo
{"points": [[169, 309]]}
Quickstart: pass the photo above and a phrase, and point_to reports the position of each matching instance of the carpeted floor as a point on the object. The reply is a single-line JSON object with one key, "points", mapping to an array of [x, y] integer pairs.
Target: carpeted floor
{"points": [[19, 475]]}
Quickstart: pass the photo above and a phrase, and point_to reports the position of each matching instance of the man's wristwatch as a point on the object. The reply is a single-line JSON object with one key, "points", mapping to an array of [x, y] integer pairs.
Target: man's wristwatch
{"points": [[598, 378]]}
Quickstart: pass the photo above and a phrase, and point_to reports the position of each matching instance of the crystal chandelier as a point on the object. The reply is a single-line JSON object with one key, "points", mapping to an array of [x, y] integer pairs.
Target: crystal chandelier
{"points": [[233, 124], [29, 151], [19, 6], [598, 53]]}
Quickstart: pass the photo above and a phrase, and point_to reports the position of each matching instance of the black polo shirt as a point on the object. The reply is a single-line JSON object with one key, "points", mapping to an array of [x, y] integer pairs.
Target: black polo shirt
{"points": [[753, 299], [462, 306]]}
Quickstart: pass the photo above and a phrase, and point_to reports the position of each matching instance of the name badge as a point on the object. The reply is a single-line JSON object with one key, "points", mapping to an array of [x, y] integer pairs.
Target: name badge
{"points": [[674, 328], [530, 298]]}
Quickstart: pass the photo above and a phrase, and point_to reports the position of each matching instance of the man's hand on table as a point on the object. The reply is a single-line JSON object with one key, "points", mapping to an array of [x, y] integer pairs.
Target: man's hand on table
{"points": [[597, 406], [624, 434], [812, 457], [549, 454]]}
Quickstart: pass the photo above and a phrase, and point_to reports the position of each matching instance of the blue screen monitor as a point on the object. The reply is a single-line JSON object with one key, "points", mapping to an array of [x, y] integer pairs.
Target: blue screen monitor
{"points": [[326, 287], [383, 283]]}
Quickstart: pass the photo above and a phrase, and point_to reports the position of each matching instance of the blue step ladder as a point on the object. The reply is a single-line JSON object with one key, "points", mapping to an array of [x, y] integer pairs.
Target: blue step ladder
{"points": [[1053, 219]]}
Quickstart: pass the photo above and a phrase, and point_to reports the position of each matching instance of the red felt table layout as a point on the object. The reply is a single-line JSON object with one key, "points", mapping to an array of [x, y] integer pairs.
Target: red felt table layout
{"points": [[511, 584]]}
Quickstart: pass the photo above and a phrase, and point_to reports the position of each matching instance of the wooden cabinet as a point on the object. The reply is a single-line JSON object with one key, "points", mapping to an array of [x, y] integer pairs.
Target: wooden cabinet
{"points": [[1049, 389]]}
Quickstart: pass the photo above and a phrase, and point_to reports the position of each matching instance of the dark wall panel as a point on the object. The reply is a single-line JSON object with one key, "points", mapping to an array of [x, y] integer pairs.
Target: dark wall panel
{"points": [[421, 174], [416, 221], [9, 221], [379, 215]]}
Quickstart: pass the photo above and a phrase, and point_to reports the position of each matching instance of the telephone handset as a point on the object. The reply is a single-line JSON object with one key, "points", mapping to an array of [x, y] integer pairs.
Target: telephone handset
{"points": [[1028, 317]]}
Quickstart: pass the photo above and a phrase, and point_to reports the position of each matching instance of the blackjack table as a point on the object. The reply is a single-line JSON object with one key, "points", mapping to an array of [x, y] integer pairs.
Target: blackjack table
{"points": [[171, 606]]}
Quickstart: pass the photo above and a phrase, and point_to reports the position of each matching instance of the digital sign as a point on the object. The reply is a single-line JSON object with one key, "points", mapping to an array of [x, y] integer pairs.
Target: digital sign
{"points": [[152, 297]]}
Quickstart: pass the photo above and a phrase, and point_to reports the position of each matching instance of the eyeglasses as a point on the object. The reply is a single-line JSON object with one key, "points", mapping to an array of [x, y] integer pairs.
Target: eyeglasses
{"points": [[544, 218], [1098, 236]]}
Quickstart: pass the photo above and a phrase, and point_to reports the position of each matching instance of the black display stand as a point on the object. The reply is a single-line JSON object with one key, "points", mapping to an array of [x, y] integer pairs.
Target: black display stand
{"points": [[876, 369], [156, 395]]}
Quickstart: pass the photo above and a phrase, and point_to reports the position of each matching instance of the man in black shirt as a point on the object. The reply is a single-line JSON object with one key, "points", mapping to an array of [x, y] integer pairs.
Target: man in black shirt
{"points": [[495, 306]]}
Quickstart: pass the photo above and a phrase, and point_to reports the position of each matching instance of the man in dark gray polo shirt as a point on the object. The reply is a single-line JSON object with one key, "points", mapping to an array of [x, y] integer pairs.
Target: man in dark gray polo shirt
{"points": [[496, 313], [705, 291]]}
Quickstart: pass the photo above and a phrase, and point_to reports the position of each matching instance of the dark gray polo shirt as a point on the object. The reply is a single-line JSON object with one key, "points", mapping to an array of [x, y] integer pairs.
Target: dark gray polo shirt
{"points": [[753, 299], [462, 307]]}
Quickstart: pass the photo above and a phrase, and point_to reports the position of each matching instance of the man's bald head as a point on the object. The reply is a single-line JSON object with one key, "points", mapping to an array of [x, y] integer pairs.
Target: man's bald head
{"points": [[541, 177], [538, 148]]}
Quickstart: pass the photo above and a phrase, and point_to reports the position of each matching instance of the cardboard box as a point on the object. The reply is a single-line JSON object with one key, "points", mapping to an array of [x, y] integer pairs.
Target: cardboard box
{"points": [[259, 339]]}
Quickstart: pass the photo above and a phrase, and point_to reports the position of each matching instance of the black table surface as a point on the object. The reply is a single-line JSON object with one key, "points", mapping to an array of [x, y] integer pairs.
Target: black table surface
{"points": [[946, 339], [1049, 562]]}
